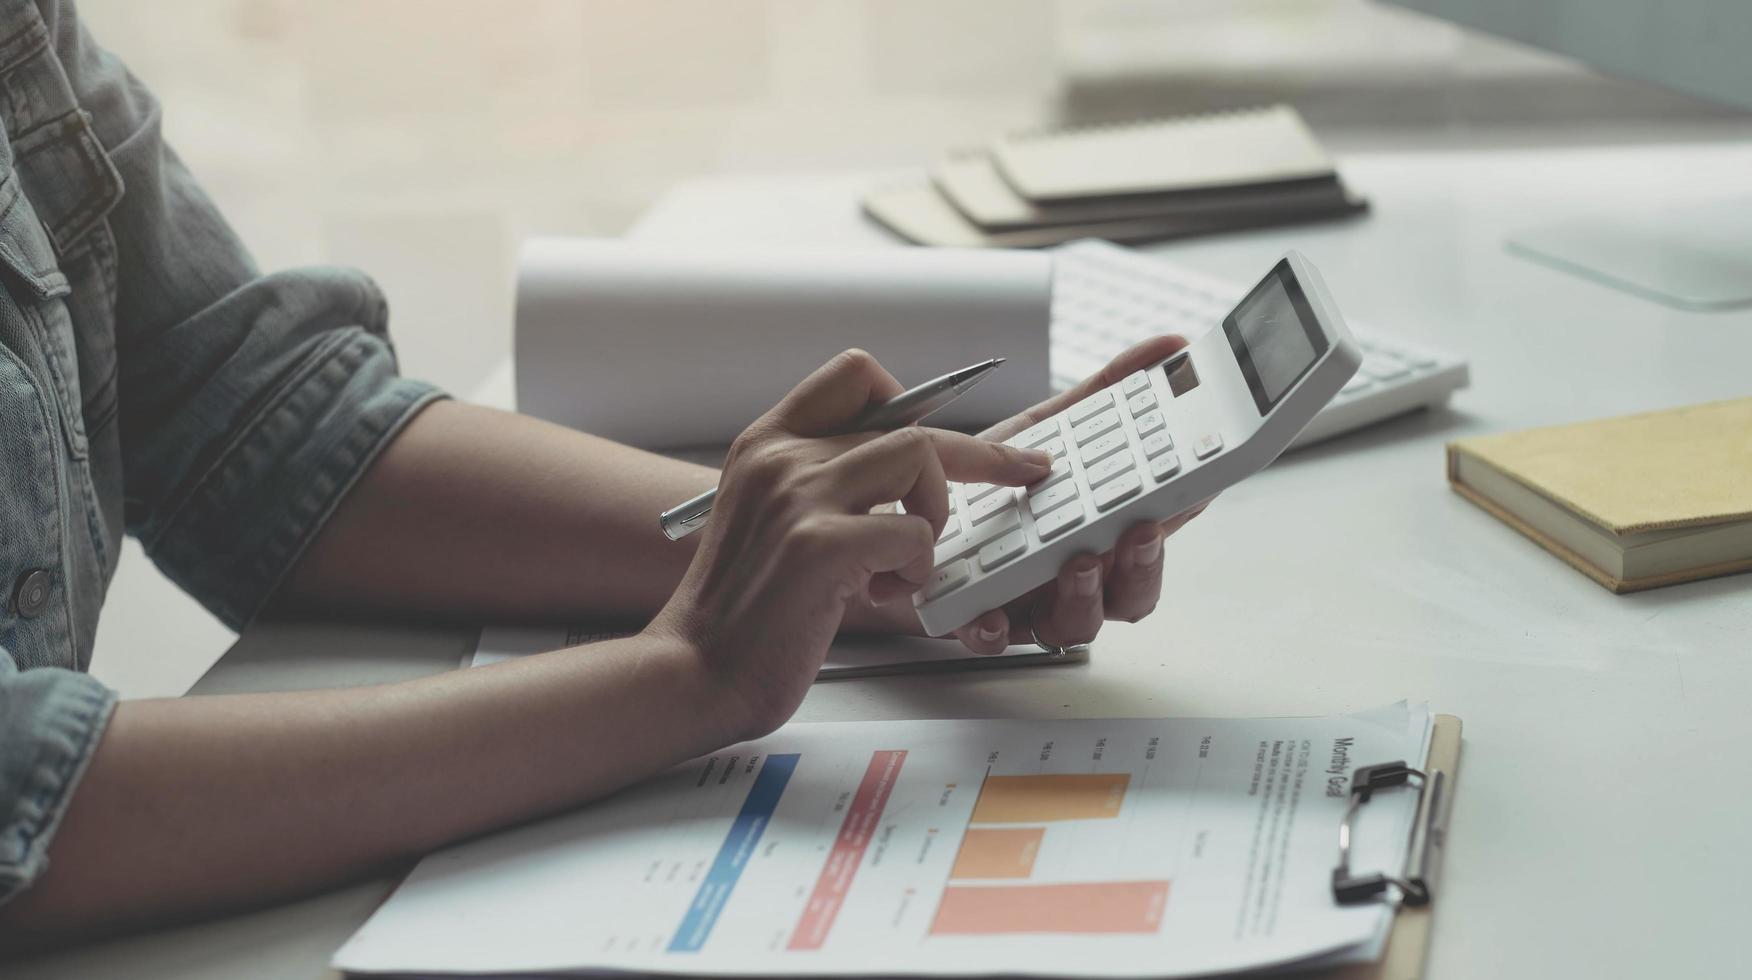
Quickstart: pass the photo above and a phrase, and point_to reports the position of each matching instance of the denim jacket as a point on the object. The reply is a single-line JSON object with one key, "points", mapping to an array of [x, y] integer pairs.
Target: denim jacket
{"points": [[152, 380]]}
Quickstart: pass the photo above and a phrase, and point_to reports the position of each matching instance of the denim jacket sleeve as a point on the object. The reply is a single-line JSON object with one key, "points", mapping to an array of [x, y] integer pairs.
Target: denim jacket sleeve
{"points": [[249, 403], [50, 722], [246, 404]]}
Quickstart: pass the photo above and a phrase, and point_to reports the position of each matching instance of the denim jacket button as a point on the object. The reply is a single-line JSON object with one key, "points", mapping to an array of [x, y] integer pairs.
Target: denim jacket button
{"points": [[32, 592]]}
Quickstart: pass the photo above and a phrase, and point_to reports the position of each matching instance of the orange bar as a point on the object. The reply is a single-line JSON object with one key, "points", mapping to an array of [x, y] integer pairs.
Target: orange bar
{"points": [[1045, 798], [994, 852], [1084, 908]]}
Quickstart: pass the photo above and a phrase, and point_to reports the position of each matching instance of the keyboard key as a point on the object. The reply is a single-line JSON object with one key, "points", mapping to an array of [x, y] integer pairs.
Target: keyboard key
{"points": [[950, 529], [990, 506], [1141, 402], [1358, 382], [1060, 471], [1157, 443], [1002, 550], [1035, 435], [1103, 447], [1052, 497], [1116, 490], [1095, 427], [970, 539], [1164, 466], [1089, 406], [1056, 522], [1108, 468], [947, 577], [1207, 445], [1135, 383], [1053, 447], [974, 491], [1149, 422]]}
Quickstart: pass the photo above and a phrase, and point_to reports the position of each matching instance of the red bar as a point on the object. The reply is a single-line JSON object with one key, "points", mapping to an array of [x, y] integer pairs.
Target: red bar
{"points": [[1084, 907], [862, 818]]}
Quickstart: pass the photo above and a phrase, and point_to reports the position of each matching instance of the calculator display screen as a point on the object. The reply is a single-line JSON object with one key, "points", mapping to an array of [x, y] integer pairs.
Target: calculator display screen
{"points": [[1274, 336]]}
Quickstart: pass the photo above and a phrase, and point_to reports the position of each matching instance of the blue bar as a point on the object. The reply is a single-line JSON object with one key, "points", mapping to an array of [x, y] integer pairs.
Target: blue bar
{"points": [[739, 844]]}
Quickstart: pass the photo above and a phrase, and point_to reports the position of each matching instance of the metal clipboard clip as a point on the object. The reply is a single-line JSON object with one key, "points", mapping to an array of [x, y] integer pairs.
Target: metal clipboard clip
{"points": [[1422, 846]]}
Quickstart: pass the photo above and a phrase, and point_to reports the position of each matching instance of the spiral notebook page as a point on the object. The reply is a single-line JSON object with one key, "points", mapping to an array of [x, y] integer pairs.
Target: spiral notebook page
{"points": [[1190, 153]]}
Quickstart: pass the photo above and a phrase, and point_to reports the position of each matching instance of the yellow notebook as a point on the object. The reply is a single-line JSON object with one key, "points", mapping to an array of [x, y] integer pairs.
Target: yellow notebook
{"points": [[1635, 502]]}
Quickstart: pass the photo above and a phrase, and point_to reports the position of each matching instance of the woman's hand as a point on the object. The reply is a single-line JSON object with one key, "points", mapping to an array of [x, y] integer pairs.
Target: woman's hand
{"points": [[792, 541], [1123, 584]]}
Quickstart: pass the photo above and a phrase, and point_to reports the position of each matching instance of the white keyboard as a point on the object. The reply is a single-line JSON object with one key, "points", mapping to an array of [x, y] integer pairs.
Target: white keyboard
{"points": [[1107, 297]]}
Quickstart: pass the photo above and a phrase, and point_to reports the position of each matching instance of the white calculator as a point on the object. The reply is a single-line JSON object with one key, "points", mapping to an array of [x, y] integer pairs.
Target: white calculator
{"points": [[1150, 447]]}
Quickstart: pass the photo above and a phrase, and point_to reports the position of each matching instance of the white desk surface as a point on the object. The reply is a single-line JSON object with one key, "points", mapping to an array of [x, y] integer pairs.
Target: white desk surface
{"points": [[1600, 815]]}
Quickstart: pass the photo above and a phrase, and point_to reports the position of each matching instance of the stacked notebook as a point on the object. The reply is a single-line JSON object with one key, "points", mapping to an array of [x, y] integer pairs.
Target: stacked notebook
{"points": [[1143, 181], [1633, 502]]}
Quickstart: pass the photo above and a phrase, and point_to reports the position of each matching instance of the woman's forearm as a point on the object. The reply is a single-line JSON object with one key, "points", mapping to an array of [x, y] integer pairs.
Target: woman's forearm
{"points": [[481, 515], [202, 804], [477, 514]]}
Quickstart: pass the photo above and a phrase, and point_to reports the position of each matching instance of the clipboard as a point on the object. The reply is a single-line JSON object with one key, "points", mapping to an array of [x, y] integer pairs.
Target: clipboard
{"points": [[1408, 944]]}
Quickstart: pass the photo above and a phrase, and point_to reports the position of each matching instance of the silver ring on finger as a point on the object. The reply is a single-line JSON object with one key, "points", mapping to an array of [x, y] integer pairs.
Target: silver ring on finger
{"points": [[1049, 648]]}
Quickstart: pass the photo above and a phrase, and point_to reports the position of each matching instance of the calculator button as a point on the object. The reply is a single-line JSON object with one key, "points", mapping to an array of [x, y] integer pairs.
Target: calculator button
{"points": [[1056, 522], [1052, 498], [1117, 490], [1089, 406], [1060, 471], [952, 575], [974, 491], [1031, 437], [979, 534], [1135, 383], [986, 508], [1103, 447], [1164, 466], [1053, 447], [1108, 468], [1157, 443], [1207, 445], [1383, 368], [1149, 422], [1002, 550], [1093, 428], [1141, 402]]}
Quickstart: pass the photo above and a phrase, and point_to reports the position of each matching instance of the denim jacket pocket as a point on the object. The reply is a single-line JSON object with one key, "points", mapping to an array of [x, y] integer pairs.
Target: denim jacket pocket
{"points": [[28, 260]]}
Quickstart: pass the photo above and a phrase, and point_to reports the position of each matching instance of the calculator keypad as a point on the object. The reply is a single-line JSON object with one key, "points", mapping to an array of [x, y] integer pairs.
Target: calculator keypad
{"points": [[1101, 448]]}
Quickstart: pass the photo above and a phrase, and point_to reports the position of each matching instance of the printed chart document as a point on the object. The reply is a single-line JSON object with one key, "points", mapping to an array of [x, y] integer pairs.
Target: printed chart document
{"points": [[1111, 848]]}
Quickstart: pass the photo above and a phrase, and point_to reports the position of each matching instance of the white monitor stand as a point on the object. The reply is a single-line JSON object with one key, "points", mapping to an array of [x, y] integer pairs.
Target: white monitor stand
{"points": [[1692, 256]]}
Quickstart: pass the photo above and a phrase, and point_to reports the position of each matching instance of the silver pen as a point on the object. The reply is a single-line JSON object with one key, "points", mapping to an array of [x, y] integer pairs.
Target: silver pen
{"points": [[912, 405]]}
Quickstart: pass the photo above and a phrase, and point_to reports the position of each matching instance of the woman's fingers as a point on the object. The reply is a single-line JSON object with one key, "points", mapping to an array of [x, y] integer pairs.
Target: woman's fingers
{"points": [[832, 397], [1135, 358], [988, 634], [882, 555], [1135, 583], [912, 465], [970, 459], [1072, 609]]}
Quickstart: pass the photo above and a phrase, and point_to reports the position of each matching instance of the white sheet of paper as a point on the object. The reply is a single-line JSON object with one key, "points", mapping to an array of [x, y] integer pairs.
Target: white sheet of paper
{"points": [[850, 656], [1113, 848]]}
